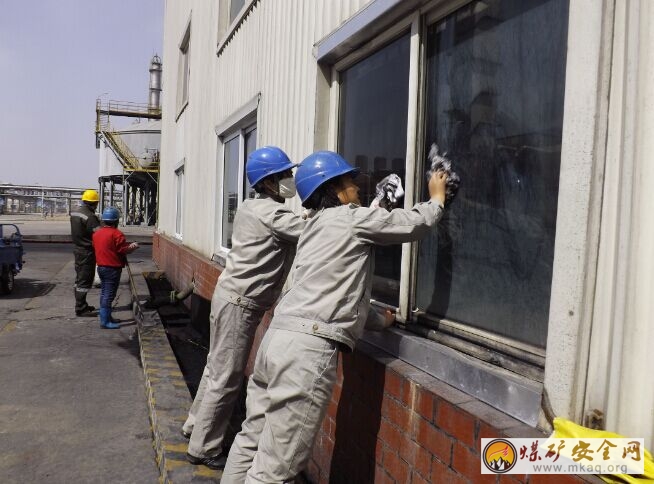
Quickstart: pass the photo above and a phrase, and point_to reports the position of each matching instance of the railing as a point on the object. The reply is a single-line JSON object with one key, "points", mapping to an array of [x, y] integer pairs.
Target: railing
{"points": [[129, 109]]}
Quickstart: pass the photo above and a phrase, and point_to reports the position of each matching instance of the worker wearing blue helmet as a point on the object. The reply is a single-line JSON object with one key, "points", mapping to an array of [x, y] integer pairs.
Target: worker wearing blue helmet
{"points": [[111, 250], [322, 313], [263, 245]]}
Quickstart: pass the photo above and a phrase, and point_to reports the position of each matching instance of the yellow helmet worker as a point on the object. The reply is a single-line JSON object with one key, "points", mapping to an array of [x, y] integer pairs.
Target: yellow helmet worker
{"points": [[83, 222], [90, 196]]}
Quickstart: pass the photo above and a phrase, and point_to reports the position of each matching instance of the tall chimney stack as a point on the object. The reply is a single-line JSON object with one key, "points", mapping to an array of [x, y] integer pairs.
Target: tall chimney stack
{"points": [[154, 100]]}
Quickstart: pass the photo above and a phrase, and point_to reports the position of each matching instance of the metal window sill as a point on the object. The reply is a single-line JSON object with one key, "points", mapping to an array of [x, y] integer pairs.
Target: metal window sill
{"points": [[510, 393], [220, 257], [181, 110]]}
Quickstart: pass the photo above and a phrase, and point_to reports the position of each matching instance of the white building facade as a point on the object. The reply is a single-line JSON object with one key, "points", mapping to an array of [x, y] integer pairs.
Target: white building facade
{"points": [[533, 297]]}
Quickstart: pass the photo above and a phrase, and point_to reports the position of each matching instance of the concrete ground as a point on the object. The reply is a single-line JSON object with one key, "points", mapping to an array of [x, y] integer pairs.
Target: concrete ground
{"points": [[73, 404]]}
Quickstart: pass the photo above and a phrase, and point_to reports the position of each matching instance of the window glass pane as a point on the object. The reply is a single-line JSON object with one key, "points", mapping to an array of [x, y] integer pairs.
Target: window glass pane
{"points": [[185, 79], [230, 190], [372, 135], [495, 86], [179, 198], [235, 8], [250, 146], [184, 70]]}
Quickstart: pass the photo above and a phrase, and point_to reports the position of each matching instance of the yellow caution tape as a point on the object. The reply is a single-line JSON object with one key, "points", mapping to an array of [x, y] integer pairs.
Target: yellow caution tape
{"points": [[565, 429]]}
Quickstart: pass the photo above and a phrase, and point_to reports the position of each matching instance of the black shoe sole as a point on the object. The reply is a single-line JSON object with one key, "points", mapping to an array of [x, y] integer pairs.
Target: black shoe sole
{"points": [[216, 463], [85, 314]]}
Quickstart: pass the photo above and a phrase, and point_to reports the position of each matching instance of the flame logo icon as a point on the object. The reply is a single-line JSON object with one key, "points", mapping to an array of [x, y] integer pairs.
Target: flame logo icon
{"points": [[499, 456]]}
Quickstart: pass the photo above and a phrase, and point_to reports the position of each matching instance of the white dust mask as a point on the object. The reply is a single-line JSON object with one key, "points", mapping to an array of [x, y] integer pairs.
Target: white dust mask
{"points": [[286, 187]]}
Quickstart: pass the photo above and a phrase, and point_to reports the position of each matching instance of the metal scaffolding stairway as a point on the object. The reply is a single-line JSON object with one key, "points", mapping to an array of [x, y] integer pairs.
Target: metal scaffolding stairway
{"points": [[140, 176], [127, 159]]}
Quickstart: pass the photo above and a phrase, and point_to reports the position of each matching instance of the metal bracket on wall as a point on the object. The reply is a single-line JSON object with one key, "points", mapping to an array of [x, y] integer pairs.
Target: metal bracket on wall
{"points": [[594, 419]]}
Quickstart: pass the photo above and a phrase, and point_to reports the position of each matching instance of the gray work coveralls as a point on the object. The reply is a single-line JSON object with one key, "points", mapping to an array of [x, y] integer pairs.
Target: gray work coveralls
{"points": [[83, 222], [263, 246], [324, 311]]}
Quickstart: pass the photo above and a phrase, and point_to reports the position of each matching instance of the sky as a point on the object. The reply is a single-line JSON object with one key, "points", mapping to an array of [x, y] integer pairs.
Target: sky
{"points": [[56, 58]]}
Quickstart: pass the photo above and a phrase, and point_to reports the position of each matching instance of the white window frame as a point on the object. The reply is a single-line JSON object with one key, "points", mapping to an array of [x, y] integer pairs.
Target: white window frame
{"points": [[575, 250], [410, 23], [407, 23], [238, 124], [240, 135], [179, 199], [184, 70]]}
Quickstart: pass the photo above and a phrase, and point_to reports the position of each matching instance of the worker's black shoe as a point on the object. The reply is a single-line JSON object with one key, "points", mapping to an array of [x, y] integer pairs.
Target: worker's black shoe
{"points": [[185, 434], [216, 463], [87, 311]]}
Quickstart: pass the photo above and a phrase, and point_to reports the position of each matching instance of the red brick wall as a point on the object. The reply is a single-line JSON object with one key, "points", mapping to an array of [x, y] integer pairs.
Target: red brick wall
{"points": [[387, 421], [182, 264]]}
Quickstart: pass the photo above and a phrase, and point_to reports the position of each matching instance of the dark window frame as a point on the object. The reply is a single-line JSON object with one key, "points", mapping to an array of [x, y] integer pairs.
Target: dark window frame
{"points": [[521, 358]]}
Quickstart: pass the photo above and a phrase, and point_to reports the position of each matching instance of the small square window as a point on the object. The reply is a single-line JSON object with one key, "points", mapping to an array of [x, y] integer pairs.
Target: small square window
{"points": [[184, 70], [179, 199]]}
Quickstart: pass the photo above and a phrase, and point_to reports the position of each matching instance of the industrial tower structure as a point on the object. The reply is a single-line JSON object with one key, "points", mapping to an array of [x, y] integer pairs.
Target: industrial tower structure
{"points": [[129, 156]]}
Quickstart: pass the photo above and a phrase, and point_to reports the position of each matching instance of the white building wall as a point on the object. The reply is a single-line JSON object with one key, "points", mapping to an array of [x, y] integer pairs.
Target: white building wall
{"points": [[189, 137], [176, 16]]}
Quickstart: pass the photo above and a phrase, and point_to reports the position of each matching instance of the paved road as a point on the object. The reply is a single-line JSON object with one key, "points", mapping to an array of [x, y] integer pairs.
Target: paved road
{"points": [[72, 397]]}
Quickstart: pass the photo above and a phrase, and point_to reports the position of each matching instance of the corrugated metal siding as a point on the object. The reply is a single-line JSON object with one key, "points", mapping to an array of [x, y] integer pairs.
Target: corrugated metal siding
{"points": [[190, 138], [270, 53], [199, 137], [175, 17]]}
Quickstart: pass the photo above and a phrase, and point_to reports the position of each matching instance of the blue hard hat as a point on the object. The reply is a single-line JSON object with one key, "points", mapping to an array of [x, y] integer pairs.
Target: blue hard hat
{"points": [[110, 214], [266, 161], [319, 167]]}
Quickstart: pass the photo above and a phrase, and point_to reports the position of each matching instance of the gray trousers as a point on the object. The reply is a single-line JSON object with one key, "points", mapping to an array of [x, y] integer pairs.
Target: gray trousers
{"points": [[232, 329], [84, 268], [85, 271], [288, 394]]}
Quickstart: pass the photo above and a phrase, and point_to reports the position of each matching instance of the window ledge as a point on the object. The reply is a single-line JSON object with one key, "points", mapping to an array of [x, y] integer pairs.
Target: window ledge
{"points": [[510, 393], [371, 20], [236, 23], [220, 257], [181, 110]]}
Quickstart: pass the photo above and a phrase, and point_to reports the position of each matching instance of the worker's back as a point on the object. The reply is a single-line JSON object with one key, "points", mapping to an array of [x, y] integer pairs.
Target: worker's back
{"points": [[83, 222], [263, 246]]}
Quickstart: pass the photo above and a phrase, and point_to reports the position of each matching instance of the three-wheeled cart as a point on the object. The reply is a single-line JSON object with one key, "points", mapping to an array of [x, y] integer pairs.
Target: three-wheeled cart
{"points": [[11, 256]]}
